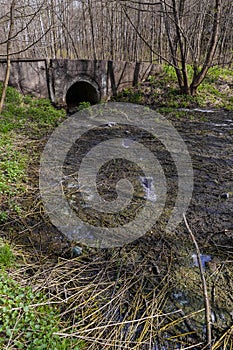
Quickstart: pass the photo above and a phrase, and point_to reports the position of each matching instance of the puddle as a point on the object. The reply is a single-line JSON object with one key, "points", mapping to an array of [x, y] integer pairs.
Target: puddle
{"points": [[111, 124], [126, 143], [204, 259], [146, 182], [215, 124], [226, 123], [149, 189], [201, 110], [181, 297], [73, 185]]}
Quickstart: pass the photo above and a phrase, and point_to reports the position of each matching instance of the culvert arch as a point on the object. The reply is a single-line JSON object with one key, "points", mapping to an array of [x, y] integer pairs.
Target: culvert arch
{"points": [[82, 90]]}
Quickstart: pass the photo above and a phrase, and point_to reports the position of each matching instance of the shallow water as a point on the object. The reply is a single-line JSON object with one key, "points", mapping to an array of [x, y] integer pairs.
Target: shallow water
{"points": [[209, 138], [210, 143]]}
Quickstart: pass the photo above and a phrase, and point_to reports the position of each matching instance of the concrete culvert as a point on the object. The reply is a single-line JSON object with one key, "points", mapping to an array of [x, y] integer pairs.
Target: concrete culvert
{"points": [[81, 91]]}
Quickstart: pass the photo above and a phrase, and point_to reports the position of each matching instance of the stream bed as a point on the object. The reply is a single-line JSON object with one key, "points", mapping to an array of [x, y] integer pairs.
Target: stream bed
{"points": [[157, 273], [209, 137]]}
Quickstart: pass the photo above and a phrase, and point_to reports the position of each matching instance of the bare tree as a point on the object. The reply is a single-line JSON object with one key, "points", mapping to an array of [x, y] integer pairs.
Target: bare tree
{"points": [[180, 32], [192, 32], [19, 19], [8, 52]]}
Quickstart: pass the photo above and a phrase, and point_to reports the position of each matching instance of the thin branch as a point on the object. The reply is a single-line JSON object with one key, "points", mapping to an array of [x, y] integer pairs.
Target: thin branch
{"points": [[29, 46], [25, 27], [145, 41], [204, 287]]}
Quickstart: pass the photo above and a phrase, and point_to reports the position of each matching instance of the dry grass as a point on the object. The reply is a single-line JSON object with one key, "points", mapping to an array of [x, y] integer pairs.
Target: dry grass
{"points": [[124, 299]]}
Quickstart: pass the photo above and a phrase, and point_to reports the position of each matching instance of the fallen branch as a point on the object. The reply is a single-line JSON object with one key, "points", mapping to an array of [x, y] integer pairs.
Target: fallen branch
{"points": [[204, 286]]}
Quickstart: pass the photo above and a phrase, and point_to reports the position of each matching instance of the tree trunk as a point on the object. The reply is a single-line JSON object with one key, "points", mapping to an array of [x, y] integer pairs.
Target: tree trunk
{"points": [[8, 51], [197, 80], [92, 30]]}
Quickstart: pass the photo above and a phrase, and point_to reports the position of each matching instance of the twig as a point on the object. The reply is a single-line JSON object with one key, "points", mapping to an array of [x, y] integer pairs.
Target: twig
{"points": [[118, 324], [204, 287]]}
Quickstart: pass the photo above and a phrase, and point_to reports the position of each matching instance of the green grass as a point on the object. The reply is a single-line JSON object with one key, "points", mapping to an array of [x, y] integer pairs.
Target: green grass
{"points": [[13, 166], [131, 95], [23, 119], [216, 91], [83, 105], [215, 73], [13, 174], [6, 256], [28, 320], [26, 113]]}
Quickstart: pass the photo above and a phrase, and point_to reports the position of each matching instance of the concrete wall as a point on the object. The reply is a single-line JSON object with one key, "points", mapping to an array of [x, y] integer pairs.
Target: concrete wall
{"points": [[65, 73], [53, 78], [28, 76]]}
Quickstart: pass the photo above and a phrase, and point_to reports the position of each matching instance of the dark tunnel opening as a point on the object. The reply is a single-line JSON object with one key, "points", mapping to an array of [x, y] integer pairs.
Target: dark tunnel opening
{"points": [[81, 91]]}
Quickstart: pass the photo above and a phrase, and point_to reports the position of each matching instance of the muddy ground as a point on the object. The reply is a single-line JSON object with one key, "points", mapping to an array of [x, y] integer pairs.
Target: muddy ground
{"points": [[209, 137], [156, 259]]}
